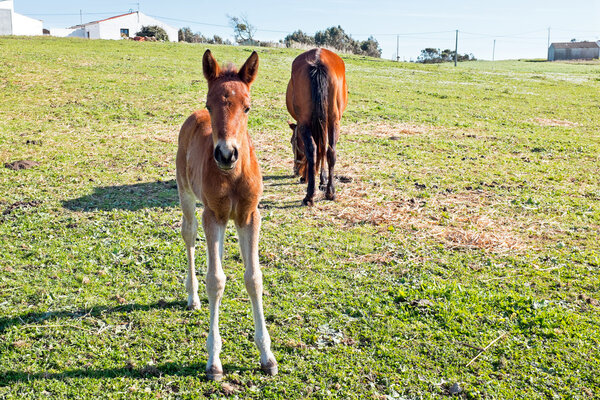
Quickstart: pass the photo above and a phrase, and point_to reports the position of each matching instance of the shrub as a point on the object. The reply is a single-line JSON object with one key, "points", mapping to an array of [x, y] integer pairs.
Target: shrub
{"points": [[153, 31]]}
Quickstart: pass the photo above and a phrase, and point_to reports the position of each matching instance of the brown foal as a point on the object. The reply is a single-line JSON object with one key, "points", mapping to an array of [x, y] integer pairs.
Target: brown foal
{"points": [[216, 163]]}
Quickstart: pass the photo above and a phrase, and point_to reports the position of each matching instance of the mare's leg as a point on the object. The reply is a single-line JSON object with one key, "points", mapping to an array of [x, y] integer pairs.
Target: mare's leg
{"points": [[322, 176], [215, 285], [331, 156], [189, 230], [253, 278], [310, 151]]}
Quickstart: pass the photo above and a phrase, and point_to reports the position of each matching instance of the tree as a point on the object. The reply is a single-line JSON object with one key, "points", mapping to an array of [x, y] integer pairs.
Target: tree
{"points": [[243, 31], [298, 37], [370, 47], [335, 37], [431, 56], [153, 31]]}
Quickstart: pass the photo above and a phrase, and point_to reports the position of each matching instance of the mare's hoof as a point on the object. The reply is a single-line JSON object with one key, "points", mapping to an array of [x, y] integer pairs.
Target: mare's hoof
{"points": [[214, 374], [307, 202], [270, 368]]}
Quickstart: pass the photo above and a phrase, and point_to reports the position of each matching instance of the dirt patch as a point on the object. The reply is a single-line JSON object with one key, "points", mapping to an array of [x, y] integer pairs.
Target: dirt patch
{"points": [[459, 220], [391, 131], [554, 122], [21, 204], [467, 219], [21, 164]]}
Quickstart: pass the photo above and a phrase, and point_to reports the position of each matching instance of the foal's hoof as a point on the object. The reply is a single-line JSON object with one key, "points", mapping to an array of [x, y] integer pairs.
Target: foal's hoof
{"points": [[193, 303], [302, 179], [214, 374], [307, 202], [270, 368], [330, 196]]}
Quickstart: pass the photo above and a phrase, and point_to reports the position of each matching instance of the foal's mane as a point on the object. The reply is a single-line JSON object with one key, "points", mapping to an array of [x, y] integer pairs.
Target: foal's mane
{"points": [[229, 71]]}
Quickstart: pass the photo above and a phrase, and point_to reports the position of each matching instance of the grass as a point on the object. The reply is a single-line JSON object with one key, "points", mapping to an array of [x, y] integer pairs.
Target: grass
{"points": [[467, 216]]}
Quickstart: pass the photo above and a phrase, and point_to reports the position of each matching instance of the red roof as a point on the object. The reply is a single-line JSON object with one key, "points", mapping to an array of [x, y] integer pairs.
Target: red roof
{"points": [[105, 19]]}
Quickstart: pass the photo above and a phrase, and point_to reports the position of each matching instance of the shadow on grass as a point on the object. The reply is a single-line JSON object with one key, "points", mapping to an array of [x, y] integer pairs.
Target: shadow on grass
{"points": [[279, 205], [36, 317], [127, 197], [127, 371], [275, 180]]}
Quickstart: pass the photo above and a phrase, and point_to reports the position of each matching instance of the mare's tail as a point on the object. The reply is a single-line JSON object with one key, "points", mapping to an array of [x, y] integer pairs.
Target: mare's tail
{"points": [[319, 88]]}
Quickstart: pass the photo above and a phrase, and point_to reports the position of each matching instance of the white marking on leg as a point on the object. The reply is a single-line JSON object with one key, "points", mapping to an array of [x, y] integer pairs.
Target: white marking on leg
{"points": [[253, 279], [215, 286], [189, 230]]}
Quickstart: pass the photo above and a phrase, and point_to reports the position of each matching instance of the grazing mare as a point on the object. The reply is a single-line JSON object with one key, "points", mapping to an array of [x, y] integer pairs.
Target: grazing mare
{"points": [[317, 95], [216, 163]]}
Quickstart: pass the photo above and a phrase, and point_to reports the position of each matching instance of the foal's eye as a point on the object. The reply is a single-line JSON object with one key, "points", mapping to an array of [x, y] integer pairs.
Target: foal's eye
{"points": [[246, 110]]}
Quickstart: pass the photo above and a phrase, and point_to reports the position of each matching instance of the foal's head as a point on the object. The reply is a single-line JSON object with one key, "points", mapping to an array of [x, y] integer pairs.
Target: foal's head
{"points": [[228, 102]]}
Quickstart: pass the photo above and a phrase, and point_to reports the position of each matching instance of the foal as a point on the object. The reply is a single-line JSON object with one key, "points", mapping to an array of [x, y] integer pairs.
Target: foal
{"points": [[216, 163]]}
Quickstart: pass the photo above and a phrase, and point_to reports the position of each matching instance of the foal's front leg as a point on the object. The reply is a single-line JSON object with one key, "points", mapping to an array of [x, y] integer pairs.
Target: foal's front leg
{"points": [[214, 232], [248, 234], [189, 230]]}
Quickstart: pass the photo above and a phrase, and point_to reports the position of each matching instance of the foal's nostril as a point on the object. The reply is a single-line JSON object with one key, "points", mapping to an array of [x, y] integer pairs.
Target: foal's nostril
{"points": [[225, 157], [218, 155]]}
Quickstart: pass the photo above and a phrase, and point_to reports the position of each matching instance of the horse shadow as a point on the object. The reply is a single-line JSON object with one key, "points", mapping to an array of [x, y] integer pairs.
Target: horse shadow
{"points": [[128, 370], [127, 197], [98, 311], [159, 194]]}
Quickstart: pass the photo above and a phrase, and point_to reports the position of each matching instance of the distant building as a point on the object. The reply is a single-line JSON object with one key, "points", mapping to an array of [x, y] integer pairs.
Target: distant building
{"points": [[574, 51], [117, 27], [12, 23]]}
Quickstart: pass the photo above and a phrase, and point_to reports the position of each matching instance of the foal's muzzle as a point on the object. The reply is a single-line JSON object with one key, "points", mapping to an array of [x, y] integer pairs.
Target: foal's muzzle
{"points": [[226, 156]]}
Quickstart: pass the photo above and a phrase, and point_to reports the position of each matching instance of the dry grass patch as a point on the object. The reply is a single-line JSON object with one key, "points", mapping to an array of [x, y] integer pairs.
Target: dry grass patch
{"points": [[460, 220], [386, 130], [554, 122]]}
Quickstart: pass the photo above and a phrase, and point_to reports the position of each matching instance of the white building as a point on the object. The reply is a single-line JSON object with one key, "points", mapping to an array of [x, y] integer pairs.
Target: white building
{"points": [[12, 23], [117, 27]]}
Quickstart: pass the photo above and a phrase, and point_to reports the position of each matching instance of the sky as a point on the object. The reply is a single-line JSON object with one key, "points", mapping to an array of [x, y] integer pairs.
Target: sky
{"points": [[520, 28]]}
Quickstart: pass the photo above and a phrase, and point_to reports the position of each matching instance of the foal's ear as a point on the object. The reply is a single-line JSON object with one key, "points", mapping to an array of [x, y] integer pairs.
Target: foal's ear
{"points": [[210, 67], [249, 70]]}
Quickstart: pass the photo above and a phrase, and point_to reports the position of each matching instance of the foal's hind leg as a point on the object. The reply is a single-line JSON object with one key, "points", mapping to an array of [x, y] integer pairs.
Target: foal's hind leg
{"points": [[214, 232], [253, 278], [189, 230]]}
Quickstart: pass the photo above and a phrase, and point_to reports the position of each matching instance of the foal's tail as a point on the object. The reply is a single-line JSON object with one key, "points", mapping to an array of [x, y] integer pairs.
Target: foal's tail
{"points": [[319, 89]]}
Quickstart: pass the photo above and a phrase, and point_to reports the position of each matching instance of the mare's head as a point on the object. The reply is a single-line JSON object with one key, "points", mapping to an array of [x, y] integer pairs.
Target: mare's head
{"points": [[298, 149], [228, 102]]}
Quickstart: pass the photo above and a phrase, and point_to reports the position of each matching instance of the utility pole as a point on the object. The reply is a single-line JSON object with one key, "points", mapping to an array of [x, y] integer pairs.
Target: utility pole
{"points": [[456, 48], [81, 16], [494, 50], [397, 48], [548, 37]]}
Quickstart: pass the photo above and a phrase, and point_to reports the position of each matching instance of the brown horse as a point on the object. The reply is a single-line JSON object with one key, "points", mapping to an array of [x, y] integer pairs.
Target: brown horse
{"points": [[316, 97], [216, 163]]}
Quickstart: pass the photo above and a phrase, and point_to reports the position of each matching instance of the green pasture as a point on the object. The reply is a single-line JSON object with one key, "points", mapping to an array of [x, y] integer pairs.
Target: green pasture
{"points": [[460, 260]]}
